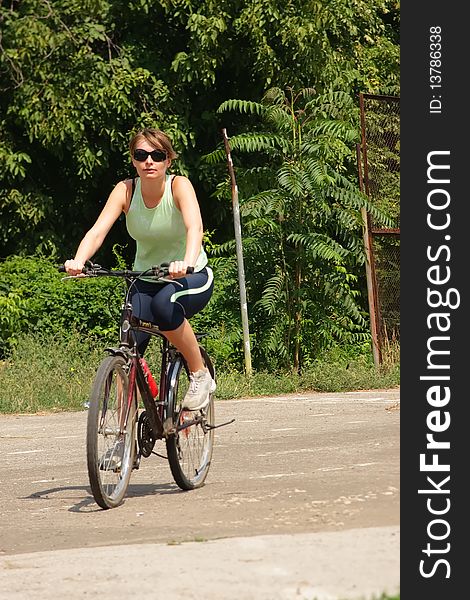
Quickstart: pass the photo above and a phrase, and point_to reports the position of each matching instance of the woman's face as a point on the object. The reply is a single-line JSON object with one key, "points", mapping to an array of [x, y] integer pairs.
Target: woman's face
{"points": [[149, 168]]}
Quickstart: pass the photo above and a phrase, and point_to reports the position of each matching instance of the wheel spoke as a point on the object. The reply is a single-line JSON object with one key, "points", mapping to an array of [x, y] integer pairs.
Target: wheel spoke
{"points": [[110, 438], [190, 448]]}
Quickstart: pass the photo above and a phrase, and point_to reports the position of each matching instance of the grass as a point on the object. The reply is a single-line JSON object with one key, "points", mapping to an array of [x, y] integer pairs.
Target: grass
{"points": [[47, 375], [55, 374], [324, 376]]}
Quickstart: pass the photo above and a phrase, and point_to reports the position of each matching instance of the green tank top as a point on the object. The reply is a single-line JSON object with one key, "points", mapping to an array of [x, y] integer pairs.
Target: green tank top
{"points": [[159, 232]]}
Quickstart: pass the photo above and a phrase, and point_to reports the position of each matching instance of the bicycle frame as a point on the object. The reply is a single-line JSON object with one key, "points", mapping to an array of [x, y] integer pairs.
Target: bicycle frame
{"points": [[128, 349], [155, 410]]}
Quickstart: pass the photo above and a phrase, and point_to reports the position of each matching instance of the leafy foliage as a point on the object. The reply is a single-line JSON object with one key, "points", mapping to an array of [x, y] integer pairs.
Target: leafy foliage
{"points": [[78, 76], [70, 98], [303, 236], [33, 297]]}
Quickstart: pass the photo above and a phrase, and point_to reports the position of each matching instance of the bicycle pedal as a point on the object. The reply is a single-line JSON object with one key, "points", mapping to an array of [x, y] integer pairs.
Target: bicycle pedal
{"points": [[137, 460], [110, 468], [168, 427]]}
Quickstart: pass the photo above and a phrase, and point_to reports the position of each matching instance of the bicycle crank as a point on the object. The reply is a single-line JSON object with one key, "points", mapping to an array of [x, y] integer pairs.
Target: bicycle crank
{"points": [[145, 437], [219, 425]]}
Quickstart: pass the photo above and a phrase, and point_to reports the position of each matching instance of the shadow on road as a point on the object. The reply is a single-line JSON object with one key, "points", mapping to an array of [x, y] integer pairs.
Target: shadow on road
{"points": [[136, 490]]}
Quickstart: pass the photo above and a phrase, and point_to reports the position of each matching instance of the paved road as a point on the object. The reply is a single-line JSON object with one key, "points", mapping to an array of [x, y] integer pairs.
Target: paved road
{"points": [[302, 501]]}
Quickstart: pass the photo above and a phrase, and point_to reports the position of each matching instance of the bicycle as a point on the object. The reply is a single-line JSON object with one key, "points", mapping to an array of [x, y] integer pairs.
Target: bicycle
{"points": [[119, 432]]}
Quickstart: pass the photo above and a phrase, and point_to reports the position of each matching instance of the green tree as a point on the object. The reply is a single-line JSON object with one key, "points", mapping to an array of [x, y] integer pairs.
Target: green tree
{"points": [[77, 76], [303, 236], [70, 98]]}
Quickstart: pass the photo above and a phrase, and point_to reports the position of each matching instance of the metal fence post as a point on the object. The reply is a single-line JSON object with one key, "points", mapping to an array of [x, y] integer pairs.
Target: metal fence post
{"points": [[378, 160]]}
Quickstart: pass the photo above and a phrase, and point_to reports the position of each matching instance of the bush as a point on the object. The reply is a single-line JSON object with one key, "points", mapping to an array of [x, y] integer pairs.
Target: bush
{"points": [[35, 298]]}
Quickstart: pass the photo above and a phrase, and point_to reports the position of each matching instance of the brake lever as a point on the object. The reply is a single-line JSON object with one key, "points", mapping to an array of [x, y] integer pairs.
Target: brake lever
{"points": [[163, 275], [171, 281]]}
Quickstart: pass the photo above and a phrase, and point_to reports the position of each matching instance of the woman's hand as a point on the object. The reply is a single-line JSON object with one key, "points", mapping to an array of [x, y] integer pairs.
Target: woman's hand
{"points": [[177, 269], [73, 267]]}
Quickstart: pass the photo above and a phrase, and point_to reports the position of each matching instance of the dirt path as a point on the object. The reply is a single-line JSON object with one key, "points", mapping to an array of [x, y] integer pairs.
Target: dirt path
{"points": [[315, 475]]}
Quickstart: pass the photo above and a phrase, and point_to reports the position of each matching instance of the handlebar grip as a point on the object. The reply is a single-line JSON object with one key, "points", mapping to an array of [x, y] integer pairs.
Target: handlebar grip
{"points": [[89, 266], [163, 269], [61, 269]]}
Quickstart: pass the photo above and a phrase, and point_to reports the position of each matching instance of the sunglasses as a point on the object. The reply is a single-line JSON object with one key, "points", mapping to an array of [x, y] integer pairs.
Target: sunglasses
{"points": [[141, 155]]}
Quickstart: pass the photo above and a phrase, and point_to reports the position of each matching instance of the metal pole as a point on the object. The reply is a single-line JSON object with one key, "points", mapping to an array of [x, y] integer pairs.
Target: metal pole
{"points": [[370, 272], [241, 270], [368, 240]]}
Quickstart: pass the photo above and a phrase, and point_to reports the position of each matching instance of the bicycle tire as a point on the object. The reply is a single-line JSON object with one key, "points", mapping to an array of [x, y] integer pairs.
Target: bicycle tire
{"points": [[189, 450], [110, 453]]}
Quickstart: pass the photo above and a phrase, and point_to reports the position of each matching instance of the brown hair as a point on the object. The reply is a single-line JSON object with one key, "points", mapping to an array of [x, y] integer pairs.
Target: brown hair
{"points": [[156, 138]]}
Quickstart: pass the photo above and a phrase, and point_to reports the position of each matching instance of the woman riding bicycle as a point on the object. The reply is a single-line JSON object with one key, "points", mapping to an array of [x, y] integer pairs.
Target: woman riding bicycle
{"points": [[163, 216]]}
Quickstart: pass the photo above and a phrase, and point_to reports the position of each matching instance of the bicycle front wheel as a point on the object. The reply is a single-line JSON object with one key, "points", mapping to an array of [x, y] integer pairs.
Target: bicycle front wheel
{"points": [[111, 433], [190, 445]]}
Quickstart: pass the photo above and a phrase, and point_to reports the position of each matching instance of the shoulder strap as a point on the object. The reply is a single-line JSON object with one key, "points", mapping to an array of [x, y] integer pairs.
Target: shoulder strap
{"points": [[173, 177], [132, 192]]}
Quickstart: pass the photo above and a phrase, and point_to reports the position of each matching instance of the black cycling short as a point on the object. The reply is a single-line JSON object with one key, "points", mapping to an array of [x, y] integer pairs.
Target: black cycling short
{"points": [[167, 304]]}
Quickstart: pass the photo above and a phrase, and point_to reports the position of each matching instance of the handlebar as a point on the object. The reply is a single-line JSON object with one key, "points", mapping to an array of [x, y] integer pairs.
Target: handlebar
{"points": [[95, 270]]}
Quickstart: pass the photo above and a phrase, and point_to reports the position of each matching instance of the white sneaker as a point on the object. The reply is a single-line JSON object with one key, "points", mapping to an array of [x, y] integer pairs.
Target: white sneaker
{"points": [[201, 385]]}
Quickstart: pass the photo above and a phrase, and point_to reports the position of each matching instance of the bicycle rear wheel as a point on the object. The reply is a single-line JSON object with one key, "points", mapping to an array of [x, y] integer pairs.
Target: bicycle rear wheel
{"points": [[110, 433], [189, 449]]}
